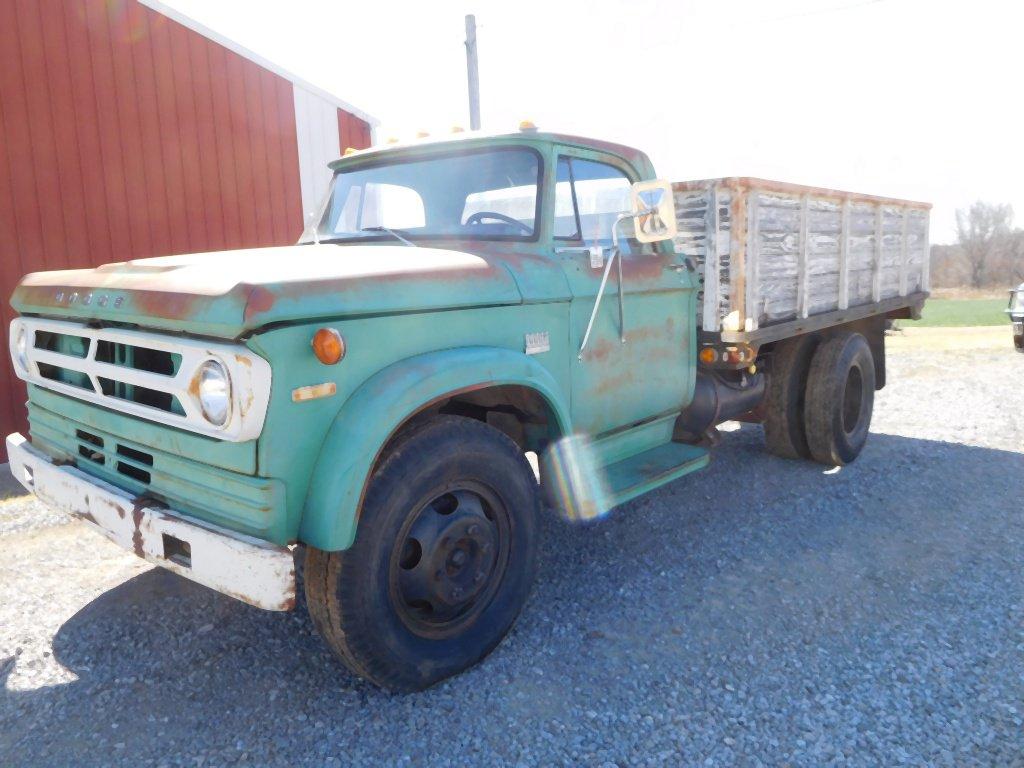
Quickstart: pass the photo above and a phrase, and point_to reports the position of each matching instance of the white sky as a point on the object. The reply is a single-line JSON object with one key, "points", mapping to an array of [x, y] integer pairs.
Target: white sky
{"points": [[906, 98]]}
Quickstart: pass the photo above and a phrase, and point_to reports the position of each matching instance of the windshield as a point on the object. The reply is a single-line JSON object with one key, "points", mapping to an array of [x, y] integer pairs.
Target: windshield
{"points": [[489, 194]]}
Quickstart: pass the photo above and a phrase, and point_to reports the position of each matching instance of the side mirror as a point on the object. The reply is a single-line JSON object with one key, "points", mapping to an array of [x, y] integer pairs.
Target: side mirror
{"points": [[654, 211]]}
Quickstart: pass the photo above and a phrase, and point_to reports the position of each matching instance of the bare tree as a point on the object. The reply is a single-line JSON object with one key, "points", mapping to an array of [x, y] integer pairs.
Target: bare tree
{"points": [[979, 229], [1015, 256]]}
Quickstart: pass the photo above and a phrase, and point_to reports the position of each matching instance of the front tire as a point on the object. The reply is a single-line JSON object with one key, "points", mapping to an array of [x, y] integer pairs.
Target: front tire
{"points": [[443, 560]]}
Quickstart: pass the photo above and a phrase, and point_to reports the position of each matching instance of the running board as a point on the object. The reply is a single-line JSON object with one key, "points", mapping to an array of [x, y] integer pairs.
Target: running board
{"points": [[583, 487], [646, 471]]}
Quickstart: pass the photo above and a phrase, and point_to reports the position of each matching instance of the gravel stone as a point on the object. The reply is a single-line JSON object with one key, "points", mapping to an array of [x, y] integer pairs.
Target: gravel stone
{"points": [[761, 612]]}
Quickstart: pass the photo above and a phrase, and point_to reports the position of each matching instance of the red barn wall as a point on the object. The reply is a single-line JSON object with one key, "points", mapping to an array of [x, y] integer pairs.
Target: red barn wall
{"points": [[124, 134]]}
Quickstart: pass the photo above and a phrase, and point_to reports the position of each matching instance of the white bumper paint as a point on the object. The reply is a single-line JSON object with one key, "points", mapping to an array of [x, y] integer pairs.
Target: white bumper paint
{"points": [[240, 566]]}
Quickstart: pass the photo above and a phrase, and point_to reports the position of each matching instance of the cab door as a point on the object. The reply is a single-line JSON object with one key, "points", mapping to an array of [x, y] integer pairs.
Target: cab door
{"points": [[645, 368]]}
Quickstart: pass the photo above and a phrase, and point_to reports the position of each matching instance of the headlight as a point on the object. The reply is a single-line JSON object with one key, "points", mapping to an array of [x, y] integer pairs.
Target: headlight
{"points": [[214, 392], [1017, 301], [21, 349]]}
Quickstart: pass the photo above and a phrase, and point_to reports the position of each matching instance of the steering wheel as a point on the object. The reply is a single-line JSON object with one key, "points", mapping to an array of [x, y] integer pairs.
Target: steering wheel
{"points": [[479, 216]]}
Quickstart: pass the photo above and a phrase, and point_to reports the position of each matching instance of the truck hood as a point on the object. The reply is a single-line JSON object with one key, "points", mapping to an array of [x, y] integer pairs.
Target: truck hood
{"points": [[229, 293]]}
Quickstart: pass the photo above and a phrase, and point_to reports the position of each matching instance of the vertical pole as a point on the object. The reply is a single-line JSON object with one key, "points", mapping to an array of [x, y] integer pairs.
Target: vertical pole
{"points": [[926, 265], [876, 277], [753, 256], [904, 234], [735, 320], [844, 256], [711, 264], [472, 73], [803, 280]]}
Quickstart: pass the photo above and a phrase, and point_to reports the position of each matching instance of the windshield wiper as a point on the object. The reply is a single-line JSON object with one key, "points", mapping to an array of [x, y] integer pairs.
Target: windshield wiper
{"points": [[392, 232]]}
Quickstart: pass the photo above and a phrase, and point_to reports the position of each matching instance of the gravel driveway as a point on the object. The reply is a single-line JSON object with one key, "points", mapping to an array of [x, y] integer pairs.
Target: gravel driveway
{"points": [[761, 612]]}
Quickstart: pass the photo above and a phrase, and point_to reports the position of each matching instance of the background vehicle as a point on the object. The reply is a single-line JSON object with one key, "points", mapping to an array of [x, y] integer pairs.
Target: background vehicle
{"points": [[372, 393], [1016, 312]]}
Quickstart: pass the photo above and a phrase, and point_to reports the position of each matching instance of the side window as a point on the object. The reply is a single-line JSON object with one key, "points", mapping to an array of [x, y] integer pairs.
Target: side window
{"points": [[589, 196], [602, 193]]}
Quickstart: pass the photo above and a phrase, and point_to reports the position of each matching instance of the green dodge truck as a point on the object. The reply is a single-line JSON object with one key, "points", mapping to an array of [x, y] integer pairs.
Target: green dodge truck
{"points": [[471, 331]]}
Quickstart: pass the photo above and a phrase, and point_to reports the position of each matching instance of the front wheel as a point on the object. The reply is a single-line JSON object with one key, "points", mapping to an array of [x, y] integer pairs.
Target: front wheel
{"points": [[443, 559]]}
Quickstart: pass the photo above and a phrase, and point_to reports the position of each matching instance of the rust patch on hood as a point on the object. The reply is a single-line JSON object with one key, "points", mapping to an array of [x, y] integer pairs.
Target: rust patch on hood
{"points": [[164, 303], [260, 300]]}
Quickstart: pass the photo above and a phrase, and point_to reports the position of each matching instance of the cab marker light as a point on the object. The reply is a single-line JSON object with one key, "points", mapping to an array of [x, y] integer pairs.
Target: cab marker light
{"points": [[328, 346]]}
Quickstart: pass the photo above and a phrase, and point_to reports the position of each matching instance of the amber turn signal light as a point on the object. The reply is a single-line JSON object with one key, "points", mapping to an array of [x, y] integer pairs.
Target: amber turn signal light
{"points": [[708, 355], [328, 346]]}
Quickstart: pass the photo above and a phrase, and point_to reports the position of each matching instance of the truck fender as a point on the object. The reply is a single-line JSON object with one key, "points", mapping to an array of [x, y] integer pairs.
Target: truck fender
{"points": [[381, 405]]}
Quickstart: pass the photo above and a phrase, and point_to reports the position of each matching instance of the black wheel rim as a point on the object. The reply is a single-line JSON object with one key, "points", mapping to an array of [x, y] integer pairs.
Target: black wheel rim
{"points": [[853, 400], [449, 560]]}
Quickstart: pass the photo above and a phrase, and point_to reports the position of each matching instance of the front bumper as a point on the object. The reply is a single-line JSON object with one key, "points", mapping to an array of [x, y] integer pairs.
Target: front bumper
{"points": [[242, 567], [1018, 332]]}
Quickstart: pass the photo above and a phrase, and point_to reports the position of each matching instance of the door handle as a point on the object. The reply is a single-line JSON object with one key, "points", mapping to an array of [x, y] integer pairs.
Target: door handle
{"points": [[596, 253]]}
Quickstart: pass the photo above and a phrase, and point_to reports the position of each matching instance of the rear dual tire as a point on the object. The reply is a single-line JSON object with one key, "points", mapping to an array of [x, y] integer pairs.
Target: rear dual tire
{"points": [[784, 430], [820, 398], [840, 399]]}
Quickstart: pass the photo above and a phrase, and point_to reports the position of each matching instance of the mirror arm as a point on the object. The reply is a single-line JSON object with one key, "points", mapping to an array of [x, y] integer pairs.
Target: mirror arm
{"points": [[615, 258]]}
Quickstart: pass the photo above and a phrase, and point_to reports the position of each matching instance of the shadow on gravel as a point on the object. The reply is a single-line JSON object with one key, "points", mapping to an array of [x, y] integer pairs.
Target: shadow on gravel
{"points": [[751, 588]]}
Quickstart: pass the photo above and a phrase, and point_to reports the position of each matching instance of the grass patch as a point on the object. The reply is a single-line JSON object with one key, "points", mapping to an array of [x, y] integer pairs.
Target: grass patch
{"points": [[949, 313]]}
